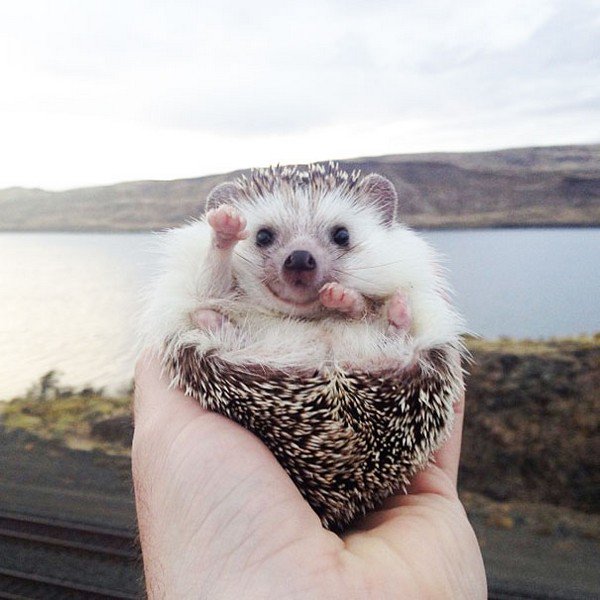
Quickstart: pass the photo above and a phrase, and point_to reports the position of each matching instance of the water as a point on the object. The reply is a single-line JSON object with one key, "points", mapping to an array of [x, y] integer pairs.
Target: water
{"points": [[525, 283], [68, 300]]}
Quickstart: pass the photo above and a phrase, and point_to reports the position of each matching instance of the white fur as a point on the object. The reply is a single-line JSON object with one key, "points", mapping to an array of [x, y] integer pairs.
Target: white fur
{"points": [[264, 331]]}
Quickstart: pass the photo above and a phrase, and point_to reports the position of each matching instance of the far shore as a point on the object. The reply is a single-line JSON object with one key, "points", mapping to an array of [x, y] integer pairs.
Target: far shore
{"points": [[418, 227]]}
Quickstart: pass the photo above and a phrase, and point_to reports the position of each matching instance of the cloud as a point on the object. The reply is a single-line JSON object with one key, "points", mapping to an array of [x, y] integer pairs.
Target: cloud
{"points": [[269, 73]]}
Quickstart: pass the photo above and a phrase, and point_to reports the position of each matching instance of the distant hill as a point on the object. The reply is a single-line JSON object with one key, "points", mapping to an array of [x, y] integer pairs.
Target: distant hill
{"points": [[547, 186]]}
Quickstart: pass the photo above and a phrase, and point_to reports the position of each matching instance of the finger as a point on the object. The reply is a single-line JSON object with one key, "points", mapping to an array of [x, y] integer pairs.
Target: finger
{"points": [[440, 476], [447, 458], [154, 398]]}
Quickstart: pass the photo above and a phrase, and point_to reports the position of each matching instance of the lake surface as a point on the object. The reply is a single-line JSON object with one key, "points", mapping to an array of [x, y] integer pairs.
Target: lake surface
{"points": [[68, 300]]}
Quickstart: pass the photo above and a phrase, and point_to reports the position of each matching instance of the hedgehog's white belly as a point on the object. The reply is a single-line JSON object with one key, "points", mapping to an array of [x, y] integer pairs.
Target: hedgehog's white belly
{"points": [[292, 343]]}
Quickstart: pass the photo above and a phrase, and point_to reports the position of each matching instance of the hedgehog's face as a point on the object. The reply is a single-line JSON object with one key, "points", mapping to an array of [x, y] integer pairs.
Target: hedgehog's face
{"points": [[298, 244]]}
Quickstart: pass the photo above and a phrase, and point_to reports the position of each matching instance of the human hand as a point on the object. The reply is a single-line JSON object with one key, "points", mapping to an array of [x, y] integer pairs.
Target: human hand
{"points": [[219, 517]]}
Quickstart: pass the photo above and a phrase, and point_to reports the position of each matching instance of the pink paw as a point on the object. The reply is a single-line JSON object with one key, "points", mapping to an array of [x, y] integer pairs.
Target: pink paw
{"points": [[208, 320], [335, 295], [228, 224], [399, 314]]}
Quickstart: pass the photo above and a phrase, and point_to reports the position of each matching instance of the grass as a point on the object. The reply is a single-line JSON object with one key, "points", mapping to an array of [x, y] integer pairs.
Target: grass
{"points": [[53, 412], [550, 346]]}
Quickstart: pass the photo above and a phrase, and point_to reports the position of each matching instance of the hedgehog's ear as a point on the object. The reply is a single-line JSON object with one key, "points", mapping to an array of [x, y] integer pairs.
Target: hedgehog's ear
{"points": [[224, 193], [381, 192]]}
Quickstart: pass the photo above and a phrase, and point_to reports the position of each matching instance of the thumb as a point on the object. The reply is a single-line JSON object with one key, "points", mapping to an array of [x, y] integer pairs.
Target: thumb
{"points": [[202, 483], [173, 428]]}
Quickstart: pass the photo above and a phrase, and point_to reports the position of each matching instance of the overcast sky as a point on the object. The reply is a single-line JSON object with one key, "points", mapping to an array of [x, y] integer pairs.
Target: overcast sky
{"points": [[95, 92]]}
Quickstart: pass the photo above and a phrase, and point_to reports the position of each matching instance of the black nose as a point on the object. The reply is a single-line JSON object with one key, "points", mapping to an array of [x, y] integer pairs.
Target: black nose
{"points": [[300, 260]]}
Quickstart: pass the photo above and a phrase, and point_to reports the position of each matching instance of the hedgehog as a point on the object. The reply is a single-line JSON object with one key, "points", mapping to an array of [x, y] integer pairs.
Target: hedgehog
{"points": [[300, 307]]}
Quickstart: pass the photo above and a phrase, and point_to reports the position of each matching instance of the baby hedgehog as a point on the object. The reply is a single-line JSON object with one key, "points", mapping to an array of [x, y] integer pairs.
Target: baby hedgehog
{"points": [[300, 308]]}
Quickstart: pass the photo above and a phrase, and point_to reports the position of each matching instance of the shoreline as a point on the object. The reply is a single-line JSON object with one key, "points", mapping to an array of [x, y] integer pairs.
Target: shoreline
{"points": [[416, 226], [532, 413], [544, 345]]}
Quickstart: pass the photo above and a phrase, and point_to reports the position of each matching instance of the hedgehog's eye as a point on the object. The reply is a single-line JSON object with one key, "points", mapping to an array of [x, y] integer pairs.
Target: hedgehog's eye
{"points": [[340, 236], [264, 237]]}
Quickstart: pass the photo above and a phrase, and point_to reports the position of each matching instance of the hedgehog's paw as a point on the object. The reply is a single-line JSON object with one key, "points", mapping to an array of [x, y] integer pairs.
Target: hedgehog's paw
{"points": [[228, 225], [398, 311], [336, 296], [207, 320]]}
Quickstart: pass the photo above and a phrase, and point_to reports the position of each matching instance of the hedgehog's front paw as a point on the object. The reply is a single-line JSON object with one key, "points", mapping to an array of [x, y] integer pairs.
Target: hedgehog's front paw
{"points": [[399, 314], [228, 224], [336, 296], [207, 320]]}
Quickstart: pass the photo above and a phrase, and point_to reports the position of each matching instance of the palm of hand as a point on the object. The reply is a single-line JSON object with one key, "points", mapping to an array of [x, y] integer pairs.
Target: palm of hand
{"points": [[219, 518]]}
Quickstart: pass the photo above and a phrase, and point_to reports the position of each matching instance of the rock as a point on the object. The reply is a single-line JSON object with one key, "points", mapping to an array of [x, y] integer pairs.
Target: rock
{"points": [[117, 429]]}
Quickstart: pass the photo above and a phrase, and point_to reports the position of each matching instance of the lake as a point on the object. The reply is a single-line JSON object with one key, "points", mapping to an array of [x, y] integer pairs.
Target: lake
{"points": [[68, 300]]}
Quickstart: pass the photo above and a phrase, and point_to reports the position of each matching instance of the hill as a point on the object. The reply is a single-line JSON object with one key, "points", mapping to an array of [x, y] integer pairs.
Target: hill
{"points": [[548, 186]]}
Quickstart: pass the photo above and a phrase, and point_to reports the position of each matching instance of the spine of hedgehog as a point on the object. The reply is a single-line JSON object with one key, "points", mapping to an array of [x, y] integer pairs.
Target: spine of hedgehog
{"points": [[347, 440]]}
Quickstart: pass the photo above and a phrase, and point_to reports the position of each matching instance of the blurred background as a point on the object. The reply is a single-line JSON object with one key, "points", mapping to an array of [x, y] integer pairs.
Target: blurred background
{"points": [[117, 118]]}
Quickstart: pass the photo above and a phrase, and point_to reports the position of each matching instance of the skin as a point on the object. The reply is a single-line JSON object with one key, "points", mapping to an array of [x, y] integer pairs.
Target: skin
{"points": [[219, 518], [335, 296], [228, 225]]}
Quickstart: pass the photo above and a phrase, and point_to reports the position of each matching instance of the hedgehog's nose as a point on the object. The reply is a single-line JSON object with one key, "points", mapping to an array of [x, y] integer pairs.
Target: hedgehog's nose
{"points": [[300, 260]]}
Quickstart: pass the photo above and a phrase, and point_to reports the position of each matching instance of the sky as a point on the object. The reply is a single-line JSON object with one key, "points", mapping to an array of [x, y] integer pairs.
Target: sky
{"points": [[97, 92]]}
